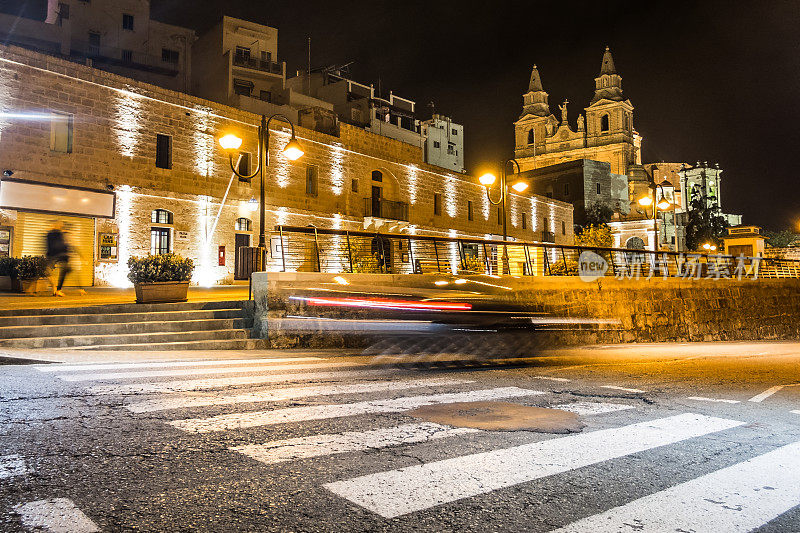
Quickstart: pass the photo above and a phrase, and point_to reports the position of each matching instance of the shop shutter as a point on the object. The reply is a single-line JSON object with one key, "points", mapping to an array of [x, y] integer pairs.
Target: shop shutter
{"points": [[32, 230]]}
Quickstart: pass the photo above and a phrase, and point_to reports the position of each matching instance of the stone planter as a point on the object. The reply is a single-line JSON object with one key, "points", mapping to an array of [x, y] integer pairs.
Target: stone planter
{"points": [[29, 286], [161, 291], [5, 283]]}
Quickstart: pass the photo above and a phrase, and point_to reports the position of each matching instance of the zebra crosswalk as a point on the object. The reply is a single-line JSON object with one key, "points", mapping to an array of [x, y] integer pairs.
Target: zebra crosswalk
{"points": [[738, 498]]}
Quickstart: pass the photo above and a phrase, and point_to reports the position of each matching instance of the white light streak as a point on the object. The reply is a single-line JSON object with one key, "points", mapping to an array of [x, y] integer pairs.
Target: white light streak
{"points": [[337, 170], [128, 111], [413, 175], [450, 196]]}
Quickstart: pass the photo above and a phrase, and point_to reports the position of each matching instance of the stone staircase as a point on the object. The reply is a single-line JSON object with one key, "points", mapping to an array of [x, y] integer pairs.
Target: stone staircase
{"points": [[218, 325]]}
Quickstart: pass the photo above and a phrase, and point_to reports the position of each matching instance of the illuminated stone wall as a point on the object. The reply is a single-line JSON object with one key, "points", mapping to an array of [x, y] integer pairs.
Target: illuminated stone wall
{"points": [[116, 121]]}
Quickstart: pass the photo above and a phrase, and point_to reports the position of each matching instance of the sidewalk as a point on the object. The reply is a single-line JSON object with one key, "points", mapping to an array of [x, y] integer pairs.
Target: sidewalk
{"points": [[109, 295]]}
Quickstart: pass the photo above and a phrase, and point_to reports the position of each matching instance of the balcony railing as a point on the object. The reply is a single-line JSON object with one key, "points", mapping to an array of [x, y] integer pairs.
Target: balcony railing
{"points": [[257, 64], [388, 209], [548, 236]]}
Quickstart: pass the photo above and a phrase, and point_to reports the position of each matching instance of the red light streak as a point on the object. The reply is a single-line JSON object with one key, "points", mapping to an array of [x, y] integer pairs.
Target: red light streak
{"points": [[390, 304]]}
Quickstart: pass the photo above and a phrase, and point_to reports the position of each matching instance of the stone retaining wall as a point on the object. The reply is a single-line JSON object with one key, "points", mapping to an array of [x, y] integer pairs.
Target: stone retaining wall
{"points": [[655, 310]]}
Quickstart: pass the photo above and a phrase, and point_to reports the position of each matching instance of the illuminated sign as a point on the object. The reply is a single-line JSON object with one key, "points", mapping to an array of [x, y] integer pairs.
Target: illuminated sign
{"points": [[41, 197], [108, 246]]}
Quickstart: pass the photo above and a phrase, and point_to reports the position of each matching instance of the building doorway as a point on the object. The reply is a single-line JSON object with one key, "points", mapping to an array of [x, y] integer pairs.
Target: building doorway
{"points": [[382, 251], [376, 201], [31, 233], [241, 240]]}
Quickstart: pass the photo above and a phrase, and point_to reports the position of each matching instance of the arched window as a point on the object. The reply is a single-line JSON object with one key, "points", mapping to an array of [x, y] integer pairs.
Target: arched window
{"points": [[604, 123], [377, 175], [243, 224], [531, 136], [161, 216]]}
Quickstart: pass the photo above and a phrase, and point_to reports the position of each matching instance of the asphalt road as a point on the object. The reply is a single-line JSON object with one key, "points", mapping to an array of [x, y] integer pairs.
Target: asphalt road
{"points": [[676, 438]]}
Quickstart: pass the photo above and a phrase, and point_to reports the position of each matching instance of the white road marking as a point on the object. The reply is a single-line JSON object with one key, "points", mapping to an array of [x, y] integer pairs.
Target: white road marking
{"points": [[162, 364], [716, 400], [319, 412], [12, 466], [593, 408], [58, 515], [551, 378], [196, 372], [736, 499], [274, 395], [614, 387], [350, 441], [769, 392], [797, 412], [353, 441], [214, 383], [418, 487]]}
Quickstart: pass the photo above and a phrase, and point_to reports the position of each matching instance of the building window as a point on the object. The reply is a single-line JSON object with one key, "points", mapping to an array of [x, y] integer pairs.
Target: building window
{"points": [[354, 185], [244, 164], [127, 21], [243, 87], [451, 149], [436, 144], [161, 216], [524, 220], [470, 212], [170, 56], [159, 241], [531, 136], [377, 175], [454, 131], [597, 186], [311, 180], [604, 123], [266, 57], [163, 151], [242, 53], [127, 56], [63, 12], [563, 228], [437, 203], [265, 96], [61, 132], [545, 224], [94, 43], [243, 224], [566, 190]]}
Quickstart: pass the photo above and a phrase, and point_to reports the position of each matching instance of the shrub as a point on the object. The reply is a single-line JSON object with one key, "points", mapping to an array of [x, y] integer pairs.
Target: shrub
{"points": [[162, 267], [559, 269], [29, 267], [6, 266]]}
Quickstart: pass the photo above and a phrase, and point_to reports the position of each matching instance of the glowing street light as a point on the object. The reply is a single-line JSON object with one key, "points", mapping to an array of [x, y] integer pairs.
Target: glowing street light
{"points": [[487, 180], [293, 151], [520, 186], [709, 247]]}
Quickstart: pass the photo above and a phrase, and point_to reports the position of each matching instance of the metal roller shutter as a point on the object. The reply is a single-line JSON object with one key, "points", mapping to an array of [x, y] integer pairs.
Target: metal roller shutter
{"points": [[32, 229]]}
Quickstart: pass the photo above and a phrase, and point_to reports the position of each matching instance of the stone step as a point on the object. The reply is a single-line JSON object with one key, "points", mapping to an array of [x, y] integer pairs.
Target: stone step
{"points": [[215, 344], [75, 341], [123, 328], [113, 318], [129, 308]]}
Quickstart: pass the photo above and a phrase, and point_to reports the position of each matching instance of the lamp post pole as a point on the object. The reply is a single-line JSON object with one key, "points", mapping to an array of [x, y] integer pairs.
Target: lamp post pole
{"points": [[263, 163]]}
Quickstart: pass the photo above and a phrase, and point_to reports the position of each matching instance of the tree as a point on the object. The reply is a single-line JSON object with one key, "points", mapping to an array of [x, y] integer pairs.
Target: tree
{"points": [[598, 214], [595, 236], [706, 223]]}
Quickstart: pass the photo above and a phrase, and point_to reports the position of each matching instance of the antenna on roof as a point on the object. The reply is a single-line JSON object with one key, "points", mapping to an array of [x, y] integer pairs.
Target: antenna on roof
{"points": [[308, 71]]}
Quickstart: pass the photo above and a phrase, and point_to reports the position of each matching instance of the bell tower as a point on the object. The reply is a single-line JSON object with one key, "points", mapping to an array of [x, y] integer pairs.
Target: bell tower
{"points": [[609, 120], [531, 129]]}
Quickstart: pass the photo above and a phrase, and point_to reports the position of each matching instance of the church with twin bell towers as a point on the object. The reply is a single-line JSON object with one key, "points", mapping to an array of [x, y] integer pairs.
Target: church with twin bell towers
{"points": [[604, 133]]}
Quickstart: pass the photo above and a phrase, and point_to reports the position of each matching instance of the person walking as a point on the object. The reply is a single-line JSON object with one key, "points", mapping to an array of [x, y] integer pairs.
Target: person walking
{"points": [[58, 256]]}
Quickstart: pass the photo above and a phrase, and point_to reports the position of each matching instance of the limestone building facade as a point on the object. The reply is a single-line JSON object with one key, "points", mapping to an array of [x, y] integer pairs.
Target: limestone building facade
{"points": [[67, 127]]}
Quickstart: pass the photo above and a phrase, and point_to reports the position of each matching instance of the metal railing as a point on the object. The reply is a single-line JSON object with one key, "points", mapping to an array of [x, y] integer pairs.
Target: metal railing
{"points": [[257, 64], [308, 249], [388, 209]]}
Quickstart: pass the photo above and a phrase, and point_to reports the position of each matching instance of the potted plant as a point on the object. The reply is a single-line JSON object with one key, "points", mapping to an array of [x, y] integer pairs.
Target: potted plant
{"points": [[160, 278], [6, 267], [27, 273]]}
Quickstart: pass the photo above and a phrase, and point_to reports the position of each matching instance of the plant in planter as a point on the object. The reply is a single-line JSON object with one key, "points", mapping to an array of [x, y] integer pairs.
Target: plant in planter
{"points": [[6, 268], [27, 272], [160, 278]]}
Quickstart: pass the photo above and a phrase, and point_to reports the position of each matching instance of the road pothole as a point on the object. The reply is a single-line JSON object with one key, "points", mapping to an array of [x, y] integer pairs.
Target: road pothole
{"points": [[500, 416]]}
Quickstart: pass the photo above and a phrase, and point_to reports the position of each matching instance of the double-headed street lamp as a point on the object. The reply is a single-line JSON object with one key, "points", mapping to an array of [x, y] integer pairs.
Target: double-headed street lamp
{"points": [[662, 204], [487, 180], [230, 143]]}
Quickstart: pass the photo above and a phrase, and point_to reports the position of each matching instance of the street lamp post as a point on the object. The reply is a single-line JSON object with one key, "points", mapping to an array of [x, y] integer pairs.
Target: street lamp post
{"points": [[487, 180], [292, 151], [663, 204]]}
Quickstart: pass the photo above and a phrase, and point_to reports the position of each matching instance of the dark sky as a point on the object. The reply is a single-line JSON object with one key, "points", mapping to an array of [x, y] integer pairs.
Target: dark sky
{"points": [[710, 80]]}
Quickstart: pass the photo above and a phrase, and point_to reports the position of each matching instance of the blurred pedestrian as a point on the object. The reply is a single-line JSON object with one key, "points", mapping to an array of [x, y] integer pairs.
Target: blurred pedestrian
{"points": [[58, 252]]}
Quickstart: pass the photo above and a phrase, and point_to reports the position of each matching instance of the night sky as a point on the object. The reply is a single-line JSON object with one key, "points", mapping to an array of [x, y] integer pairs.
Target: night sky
{"points": [[711, 81]]}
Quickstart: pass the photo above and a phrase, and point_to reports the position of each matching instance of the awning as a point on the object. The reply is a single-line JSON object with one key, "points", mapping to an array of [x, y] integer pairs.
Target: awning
{"points": [[38, 197]]}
